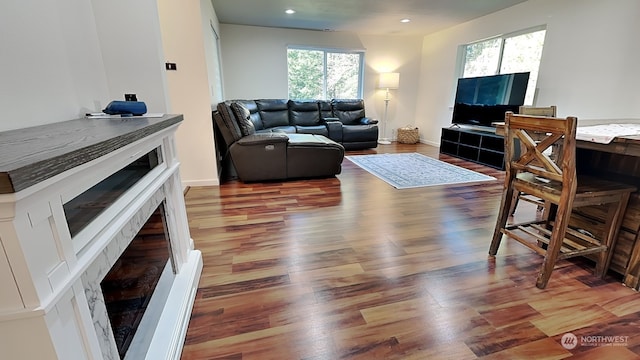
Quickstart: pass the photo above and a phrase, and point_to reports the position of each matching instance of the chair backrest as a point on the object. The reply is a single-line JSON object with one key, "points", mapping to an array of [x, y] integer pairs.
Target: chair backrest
{"points": [[549, 111], [533, 135]]}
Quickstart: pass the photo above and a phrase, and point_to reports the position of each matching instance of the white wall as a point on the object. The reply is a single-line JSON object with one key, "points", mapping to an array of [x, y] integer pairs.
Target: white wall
{"points": [[65, 58], [255, 65], [400, 54], [51, 63], [188, 87], [255, 58], [587, 67], [62, 59], [131, 46]]}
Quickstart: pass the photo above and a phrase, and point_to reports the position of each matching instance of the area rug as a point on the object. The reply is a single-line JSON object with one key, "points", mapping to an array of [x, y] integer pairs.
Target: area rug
{"points": [[412, 170]]}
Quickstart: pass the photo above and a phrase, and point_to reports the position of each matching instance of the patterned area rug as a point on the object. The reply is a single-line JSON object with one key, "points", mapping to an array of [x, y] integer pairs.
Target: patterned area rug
{"points": [[411, 170]]}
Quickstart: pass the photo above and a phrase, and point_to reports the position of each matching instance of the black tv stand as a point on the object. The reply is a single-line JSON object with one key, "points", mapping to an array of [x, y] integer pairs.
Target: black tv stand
{"points": [[480, 145]]}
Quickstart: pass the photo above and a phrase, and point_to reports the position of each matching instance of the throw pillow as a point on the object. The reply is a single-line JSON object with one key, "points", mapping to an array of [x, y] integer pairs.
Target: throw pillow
{"points": [[244, 119]]}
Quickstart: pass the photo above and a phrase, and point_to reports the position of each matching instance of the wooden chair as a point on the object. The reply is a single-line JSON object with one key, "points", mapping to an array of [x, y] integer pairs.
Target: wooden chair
{"points": [[548, 111], [554, 180]]}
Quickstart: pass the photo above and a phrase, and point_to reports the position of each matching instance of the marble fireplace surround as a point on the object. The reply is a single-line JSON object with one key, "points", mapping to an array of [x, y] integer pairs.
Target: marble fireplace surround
{"points": [[99, 268], [51, 281]]}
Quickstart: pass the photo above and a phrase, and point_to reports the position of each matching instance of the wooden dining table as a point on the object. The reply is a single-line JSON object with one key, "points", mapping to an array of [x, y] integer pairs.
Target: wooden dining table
{"points": [[617, 160]]}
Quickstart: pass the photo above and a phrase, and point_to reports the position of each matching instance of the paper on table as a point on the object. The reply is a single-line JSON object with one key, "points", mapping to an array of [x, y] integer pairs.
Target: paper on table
{"points": [[102, 115], [604, 134]]}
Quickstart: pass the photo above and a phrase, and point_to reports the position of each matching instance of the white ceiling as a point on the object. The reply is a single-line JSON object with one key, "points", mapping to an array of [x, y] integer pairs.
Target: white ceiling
{"points": [[379, 17]]}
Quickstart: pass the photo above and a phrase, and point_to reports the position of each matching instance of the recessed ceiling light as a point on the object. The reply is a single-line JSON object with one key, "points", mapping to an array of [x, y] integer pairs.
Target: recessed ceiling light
{"points": [[290, 11], [405, 20]]}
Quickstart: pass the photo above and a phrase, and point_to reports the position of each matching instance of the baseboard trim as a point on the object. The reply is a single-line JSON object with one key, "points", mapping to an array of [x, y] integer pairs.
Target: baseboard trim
{"points": [[208, 182], [432, 143]]}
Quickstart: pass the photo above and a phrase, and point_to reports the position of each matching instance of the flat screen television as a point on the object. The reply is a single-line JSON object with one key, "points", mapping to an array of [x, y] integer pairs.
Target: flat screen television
{"points": [[483, 100]]}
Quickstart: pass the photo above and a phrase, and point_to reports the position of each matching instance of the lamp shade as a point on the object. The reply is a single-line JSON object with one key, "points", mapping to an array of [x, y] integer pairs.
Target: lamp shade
{"points": [[389, 80]]}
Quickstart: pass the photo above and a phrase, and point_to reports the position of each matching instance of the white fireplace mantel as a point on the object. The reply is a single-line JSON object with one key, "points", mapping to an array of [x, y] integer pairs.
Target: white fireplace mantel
{"points": [[47, 308]]}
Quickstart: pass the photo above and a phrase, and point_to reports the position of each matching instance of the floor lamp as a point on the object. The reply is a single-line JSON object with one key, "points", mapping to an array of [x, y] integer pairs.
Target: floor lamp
{"points": [[388, 81]]}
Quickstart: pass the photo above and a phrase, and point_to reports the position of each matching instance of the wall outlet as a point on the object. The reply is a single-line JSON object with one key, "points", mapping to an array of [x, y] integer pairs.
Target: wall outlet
{"points": [[171, 66]]}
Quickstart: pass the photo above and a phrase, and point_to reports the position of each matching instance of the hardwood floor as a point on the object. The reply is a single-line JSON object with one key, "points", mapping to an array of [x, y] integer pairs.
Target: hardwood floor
{"points": [[351, 268]]}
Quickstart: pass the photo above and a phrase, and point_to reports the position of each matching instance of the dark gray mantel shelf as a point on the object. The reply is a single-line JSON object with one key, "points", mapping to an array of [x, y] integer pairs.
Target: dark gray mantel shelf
{"points": [[31, 155]]}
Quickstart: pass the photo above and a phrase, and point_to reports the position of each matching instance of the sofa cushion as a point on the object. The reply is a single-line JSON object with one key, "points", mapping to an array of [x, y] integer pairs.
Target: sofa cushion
{"points": [[227, 123], [284, 129], [349, 111], [304, 113], [317, 130], [253, 109], [273, 112], [244, 119], [325, 109], [313, 156], [359, 133]]}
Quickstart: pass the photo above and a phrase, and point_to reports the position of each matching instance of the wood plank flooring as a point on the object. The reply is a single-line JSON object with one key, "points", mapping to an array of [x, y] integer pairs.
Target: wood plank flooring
{"points": [[351, 268]]}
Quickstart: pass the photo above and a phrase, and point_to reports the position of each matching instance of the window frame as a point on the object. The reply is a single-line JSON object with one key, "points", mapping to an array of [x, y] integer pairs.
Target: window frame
{"points": [[462, 51], [325, 51]]}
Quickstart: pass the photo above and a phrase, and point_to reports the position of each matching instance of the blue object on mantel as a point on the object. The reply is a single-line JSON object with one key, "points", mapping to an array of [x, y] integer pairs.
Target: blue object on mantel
{"points": [[124, 108]]}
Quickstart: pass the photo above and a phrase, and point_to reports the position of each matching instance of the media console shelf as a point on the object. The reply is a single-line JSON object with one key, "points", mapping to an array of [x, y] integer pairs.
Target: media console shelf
{"points": [[480, 146]]}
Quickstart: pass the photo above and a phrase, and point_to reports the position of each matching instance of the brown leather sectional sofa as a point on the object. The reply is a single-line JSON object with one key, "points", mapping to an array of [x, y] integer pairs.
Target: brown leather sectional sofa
{"points": [[272, 139]]}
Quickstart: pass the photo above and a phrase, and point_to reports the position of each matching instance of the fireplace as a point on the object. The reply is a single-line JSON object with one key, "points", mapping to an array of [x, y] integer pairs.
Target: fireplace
{"points": [[96, 260], [146, 264], [127, 289]]}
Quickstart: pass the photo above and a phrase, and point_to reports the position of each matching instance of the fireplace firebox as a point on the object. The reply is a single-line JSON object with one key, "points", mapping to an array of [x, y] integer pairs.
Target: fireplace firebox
{"points": [[129, 285]]}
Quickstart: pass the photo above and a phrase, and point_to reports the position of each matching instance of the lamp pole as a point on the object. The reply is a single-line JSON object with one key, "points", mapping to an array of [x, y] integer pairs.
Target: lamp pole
{"points": [[388, 81], [383, 140]]}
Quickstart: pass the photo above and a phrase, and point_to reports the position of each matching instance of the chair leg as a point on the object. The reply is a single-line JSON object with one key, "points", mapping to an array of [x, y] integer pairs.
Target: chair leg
{"points": [[555, 243], [514, 202], [503, 215], [612, 225], [549, 213]]}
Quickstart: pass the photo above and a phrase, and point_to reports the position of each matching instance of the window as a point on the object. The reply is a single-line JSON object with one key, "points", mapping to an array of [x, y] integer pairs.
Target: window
{"points": [[324, 74], [510, 53]]}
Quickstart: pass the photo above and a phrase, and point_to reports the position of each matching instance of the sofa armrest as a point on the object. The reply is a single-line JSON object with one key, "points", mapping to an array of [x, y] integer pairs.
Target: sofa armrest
{"points": [[264, 138], [260, 157], [368, 121], [334, 126]]}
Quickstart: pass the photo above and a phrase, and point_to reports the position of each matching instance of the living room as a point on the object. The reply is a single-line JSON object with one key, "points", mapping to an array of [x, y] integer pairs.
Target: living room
{"points": [[85, 68], [70, 67]]}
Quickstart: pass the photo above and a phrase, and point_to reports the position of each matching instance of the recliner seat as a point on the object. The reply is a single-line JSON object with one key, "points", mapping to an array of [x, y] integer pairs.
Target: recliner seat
{"points": [[358, 131]]}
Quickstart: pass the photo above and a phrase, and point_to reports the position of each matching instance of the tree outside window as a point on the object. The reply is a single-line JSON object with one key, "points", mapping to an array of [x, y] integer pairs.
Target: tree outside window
{"points": [[507, 54], [324, 74]]}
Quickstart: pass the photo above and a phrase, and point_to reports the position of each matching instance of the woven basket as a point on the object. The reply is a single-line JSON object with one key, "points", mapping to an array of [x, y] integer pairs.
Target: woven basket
{"points": [[408, 135]]}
